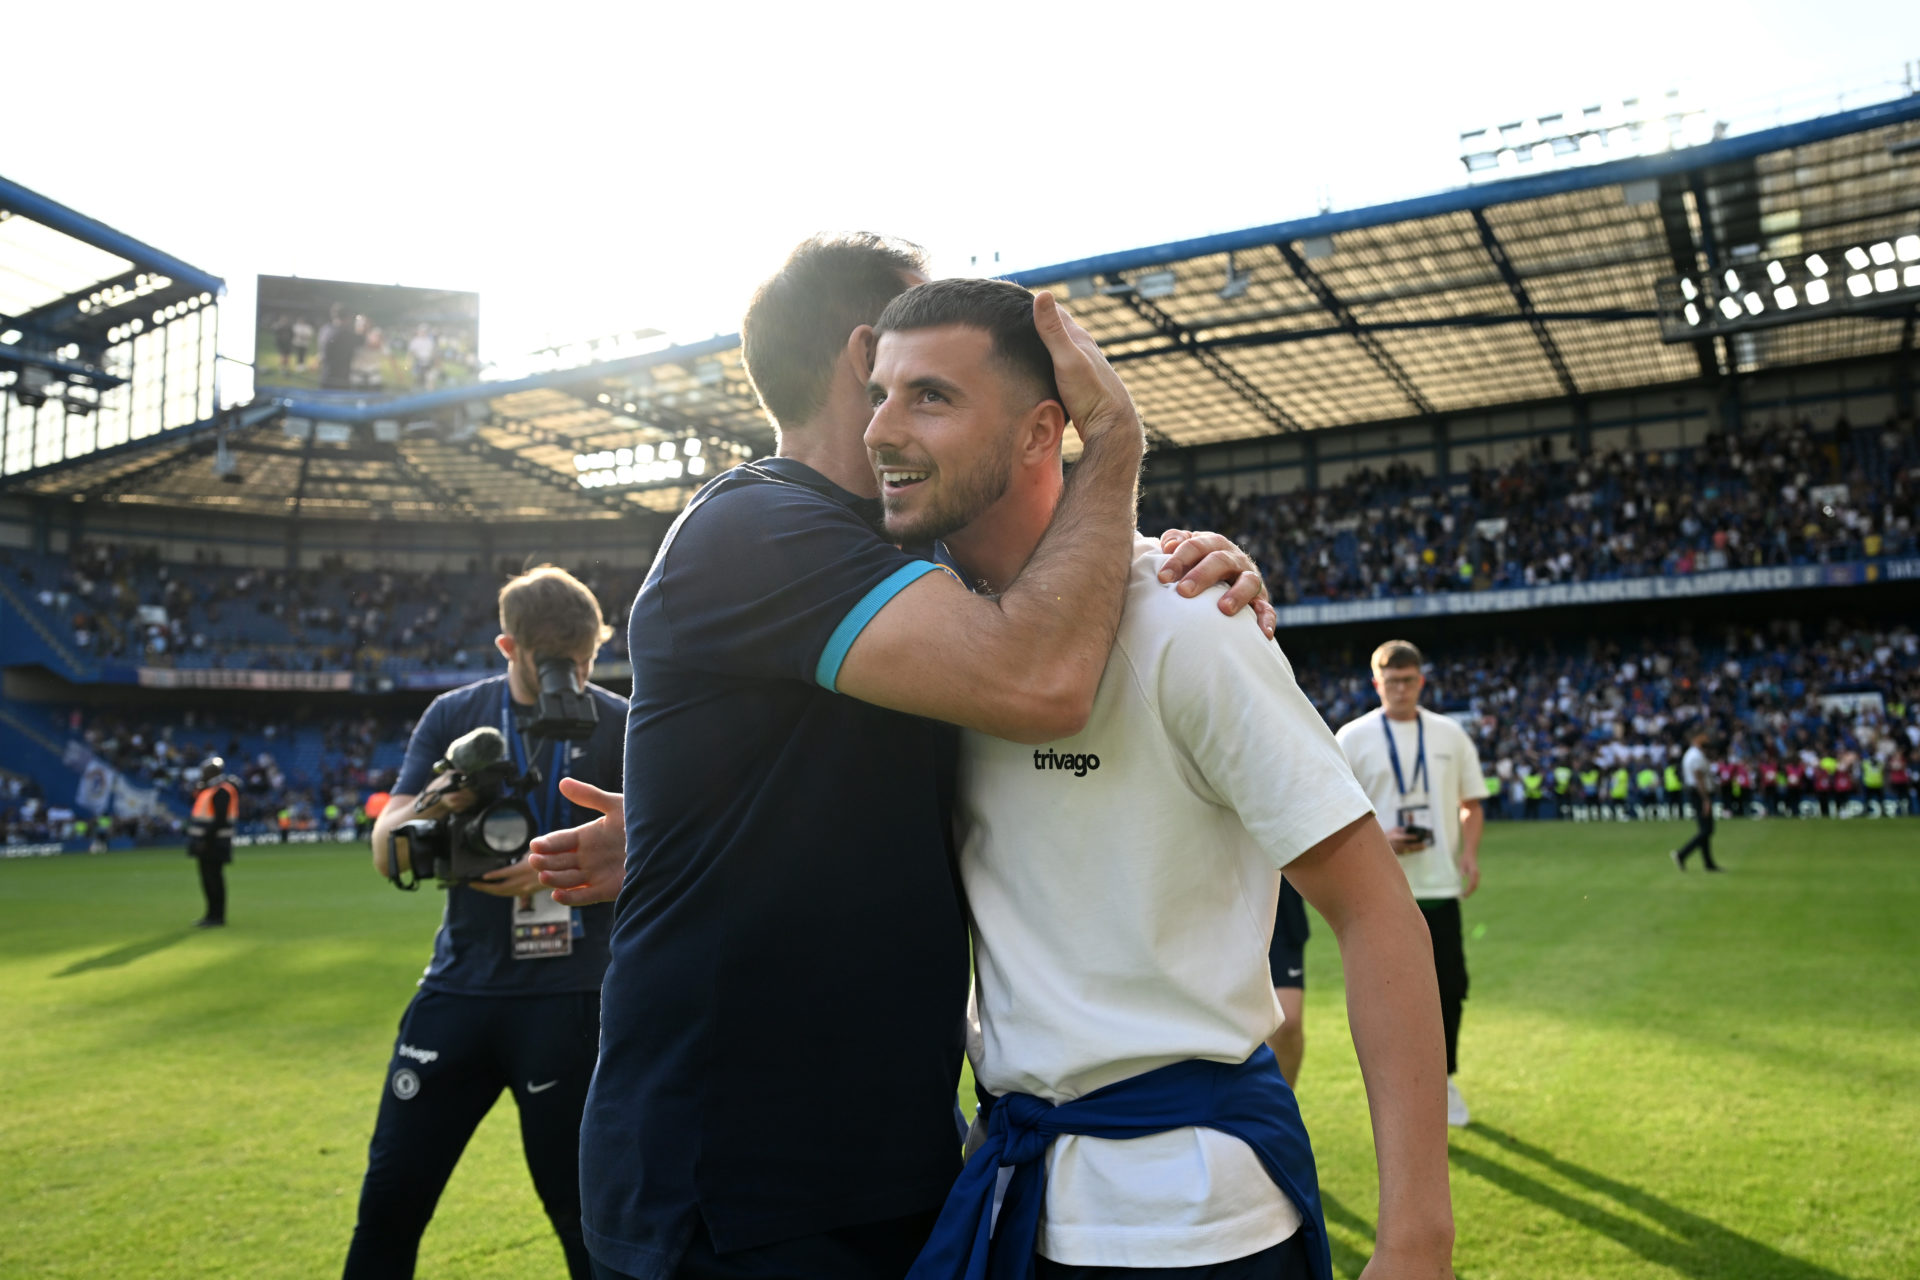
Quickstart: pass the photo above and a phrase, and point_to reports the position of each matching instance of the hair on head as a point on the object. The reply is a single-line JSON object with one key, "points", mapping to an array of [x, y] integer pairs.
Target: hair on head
{"points": [[549, 611], [1397, 653], [799, 319], [1000, 308]]}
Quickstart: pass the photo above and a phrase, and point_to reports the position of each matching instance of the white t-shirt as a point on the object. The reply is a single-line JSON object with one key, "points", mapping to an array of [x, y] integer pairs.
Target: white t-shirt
{"points": [[1122, 884], [1693, 768], [1431, 796]]}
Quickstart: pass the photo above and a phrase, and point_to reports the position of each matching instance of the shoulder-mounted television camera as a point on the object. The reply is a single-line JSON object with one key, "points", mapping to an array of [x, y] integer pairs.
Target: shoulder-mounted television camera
{"points": [[565, 711], [491, 833]]}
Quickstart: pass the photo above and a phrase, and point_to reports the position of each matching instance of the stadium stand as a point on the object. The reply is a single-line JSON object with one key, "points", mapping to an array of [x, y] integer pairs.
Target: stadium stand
{"points": [[1831, 707], [1781, 495], [1480, 418]]}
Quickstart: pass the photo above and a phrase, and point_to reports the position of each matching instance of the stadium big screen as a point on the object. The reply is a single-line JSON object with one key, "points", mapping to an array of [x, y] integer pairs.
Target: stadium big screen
{"points": [[335, 335]]}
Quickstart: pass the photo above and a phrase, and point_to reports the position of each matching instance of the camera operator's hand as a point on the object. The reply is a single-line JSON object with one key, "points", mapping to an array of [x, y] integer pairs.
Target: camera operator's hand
{"points": [[518, 880], [585, 864], [437, 801]]}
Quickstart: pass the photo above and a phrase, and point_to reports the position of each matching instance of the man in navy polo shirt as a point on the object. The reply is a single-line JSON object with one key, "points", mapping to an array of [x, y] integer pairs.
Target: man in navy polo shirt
{"points": [[788, 878], [490, 1014]]}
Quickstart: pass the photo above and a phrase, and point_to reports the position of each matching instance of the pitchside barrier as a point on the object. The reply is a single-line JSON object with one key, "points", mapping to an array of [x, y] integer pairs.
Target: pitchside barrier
{"points": [[1753, 807]]}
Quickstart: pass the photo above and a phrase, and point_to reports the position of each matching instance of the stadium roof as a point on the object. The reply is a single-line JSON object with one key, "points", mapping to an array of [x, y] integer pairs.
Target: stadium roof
{"points": [[66, 280], [1515, 291]]}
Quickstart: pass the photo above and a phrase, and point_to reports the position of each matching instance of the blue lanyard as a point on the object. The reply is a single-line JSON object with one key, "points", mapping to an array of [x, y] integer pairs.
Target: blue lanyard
{"points": [[545, 815], [1420, 775]]}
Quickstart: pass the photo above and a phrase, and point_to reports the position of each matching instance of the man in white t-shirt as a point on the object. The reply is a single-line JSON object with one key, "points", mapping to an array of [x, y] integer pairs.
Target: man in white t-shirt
{"points": [[1122, 882], [1422, 773]]}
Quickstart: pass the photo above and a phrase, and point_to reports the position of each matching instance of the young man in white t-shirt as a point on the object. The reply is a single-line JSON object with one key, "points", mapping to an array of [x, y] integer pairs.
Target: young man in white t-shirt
{"points": [[1122, 881], [1422, 773]]}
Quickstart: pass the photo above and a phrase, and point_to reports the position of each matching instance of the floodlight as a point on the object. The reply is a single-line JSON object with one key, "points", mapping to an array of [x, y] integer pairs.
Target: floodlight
{"points": [[643, 453], [1729, 308], [1857, 258], [1907, 248], [1753, 303], [1156, 284], [1237, 280], [623, 457], [1687, 290], [1816, 264], [1859, 286], [1693, 314], [696, 466], [623, 475], [691, 448], [1733, 281], [1882, 253], [1776, 273], [1817, 292], [580, 462], [1784, 298], [665, 451], [1886, 280], [1913, 276]]}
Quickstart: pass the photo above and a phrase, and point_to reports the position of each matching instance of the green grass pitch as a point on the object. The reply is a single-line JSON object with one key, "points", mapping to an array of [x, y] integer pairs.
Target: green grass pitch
{"points": [[1671, 1075]]}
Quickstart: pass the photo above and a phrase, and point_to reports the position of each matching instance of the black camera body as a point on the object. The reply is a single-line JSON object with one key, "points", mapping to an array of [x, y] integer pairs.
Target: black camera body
{"points": [[491, 833], [565, 711]]}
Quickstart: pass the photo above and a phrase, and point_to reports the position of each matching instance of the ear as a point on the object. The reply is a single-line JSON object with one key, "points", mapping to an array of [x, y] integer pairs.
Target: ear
{"points": [[860, 347], [1045, 428], [504, 643]]}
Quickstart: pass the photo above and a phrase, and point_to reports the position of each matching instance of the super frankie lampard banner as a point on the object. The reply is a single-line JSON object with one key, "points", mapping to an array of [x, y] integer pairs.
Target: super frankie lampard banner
{"points": [[1719, 582]]}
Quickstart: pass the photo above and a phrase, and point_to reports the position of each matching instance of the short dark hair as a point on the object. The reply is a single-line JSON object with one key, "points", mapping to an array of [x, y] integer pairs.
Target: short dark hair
{"points": [[799, 319], [1002, 309]]}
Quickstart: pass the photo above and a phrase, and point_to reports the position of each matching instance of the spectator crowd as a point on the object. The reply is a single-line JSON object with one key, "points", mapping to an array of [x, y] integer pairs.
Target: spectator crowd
{"points": [[1793, 717], [1779, 495]]}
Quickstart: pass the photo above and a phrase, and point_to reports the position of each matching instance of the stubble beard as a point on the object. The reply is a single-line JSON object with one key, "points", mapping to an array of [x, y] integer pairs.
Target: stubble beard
{"points": [[963, 498]]}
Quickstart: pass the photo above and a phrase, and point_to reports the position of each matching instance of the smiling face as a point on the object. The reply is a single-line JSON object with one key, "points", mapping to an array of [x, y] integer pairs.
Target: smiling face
{"points": [[945, 418]]}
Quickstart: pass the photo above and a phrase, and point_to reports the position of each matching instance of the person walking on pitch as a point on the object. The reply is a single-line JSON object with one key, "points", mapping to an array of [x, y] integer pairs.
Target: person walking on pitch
{"points": [[1697, 773]]}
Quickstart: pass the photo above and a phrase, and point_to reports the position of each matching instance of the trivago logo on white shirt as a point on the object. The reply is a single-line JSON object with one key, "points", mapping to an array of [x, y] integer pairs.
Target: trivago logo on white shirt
{"points": [[1080, 764], [1123, 886]]}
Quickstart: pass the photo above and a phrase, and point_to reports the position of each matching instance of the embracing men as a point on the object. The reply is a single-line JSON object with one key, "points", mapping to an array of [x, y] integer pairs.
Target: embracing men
{"points": [[783, 1010]]}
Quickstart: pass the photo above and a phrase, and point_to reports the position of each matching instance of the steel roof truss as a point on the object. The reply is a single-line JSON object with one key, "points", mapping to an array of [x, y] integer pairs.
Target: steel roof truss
{"points": [[1347, 321], [1520, 299], [1184, 338]]}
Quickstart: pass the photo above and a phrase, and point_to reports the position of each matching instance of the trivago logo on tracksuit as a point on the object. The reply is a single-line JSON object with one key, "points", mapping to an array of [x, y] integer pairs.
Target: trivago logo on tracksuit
{"points": [[1078, 765]]}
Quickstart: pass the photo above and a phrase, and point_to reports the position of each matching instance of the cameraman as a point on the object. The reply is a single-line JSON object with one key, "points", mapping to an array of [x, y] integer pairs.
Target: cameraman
{"points": [[487, 1018]]}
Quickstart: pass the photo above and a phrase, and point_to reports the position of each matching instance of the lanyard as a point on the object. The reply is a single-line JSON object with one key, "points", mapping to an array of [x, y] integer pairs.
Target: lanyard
{"points": [[1421, 777], [545, 815]]}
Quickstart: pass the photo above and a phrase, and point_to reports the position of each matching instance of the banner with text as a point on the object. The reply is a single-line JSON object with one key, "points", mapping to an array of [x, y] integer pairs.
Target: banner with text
{"points": [[1624, 591]]}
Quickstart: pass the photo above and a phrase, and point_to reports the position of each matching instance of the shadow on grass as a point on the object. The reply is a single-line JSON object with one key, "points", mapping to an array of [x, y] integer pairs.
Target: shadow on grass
{"points": [[120, 957], [1697, 1247], [1348, 1262]]}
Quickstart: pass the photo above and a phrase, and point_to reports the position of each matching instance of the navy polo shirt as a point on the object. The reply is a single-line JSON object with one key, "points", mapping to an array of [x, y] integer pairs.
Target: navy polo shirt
{"points": [[782, 1022], [473, 952]]}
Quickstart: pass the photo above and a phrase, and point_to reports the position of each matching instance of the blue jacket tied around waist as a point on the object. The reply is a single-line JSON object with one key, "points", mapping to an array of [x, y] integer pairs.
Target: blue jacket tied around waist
{"points": [[1249, 1101]]}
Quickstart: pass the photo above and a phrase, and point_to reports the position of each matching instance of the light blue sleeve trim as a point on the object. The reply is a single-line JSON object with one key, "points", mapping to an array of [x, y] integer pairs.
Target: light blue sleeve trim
{"points": [[827, 672]]}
